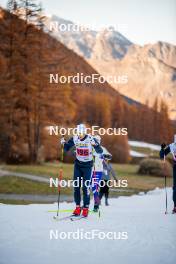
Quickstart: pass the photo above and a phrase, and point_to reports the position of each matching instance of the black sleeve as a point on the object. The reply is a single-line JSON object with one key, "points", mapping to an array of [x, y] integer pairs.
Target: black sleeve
{"points": [[68, 145], [97, 147], [164, 152], [107, 156]]}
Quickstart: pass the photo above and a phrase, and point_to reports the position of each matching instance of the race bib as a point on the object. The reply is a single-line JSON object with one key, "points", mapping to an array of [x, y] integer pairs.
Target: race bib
{"points": [[82, 152]]}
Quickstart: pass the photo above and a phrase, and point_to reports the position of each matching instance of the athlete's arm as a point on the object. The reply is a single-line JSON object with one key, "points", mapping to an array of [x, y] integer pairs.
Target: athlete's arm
{"points": [[69, 144], [165, 150], [107, 156], [97, 146]]}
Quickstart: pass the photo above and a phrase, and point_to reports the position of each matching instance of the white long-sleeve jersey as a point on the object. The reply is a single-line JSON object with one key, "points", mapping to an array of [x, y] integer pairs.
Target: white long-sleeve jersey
{"points": [[173, 150], [98, 159]]}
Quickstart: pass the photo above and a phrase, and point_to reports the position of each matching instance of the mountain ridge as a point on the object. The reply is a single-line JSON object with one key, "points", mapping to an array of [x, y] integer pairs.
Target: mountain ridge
{"points": [[151, 69]]}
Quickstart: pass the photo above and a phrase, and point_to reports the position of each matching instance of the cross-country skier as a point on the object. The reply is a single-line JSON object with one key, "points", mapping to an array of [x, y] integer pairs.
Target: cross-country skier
{"points": [[106, 176], [165, 150], [84, 144], [97, 173]]}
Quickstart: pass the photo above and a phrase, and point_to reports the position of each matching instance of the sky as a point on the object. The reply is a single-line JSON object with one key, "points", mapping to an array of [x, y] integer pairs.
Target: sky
{"points": [[141, 21]]}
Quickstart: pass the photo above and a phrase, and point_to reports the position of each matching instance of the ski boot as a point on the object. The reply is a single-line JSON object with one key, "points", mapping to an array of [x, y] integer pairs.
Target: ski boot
{"points": [[77, 211], [96, 208], [85, 211], [174, 210]]}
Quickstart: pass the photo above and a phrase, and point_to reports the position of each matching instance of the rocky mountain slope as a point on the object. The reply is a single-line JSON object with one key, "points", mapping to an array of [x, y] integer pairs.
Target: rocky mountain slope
{"points": [[150, 70]]}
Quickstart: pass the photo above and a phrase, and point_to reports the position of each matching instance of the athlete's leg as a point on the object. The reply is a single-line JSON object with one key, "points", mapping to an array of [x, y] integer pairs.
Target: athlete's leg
{"points": [[96, 195], [86, 185], [102, 189], [96, 177], [106, 190], [77, 176]]}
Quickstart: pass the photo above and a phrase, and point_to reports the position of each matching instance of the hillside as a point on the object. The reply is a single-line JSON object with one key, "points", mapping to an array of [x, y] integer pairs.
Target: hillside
{"points": [[58, 59], [151, 69], [147, 74], [88, 43]]}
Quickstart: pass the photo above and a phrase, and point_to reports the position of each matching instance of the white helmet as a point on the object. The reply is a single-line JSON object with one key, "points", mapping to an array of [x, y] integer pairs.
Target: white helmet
{"points": [[81, 129], [98, 138]]}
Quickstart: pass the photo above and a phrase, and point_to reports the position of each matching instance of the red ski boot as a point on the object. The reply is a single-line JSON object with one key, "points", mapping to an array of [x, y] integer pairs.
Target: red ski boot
{"points": [[85, 211], [174, 210], [77, 211]]}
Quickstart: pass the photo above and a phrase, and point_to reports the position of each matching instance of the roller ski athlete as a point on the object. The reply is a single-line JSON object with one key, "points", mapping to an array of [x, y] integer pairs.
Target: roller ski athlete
{"points": [[84, 144], [97, 173], [165, 150], [106, 176]]}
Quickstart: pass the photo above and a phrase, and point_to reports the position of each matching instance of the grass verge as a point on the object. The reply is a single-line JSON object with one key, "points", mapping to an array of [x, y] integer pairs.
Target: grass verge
{"points": [[136, 182]]}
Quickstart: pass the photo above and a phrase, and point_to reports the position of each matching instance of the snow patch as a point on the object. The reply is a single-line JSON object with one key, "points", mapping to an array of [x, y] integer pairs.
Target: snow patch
{"points": [[133, 143], [137, 154]]}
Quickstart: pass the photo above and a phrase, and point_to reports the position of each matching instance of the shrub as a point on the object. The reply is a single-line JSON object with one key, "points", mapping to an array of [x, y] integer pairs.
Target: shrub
{"points": [[118, 147], [155, 167]]}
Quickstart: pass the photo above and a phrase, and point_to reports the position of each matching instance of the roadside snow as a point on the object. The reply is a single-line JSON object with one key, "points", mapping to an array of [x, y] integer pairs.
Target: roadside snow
{"points": [[133, 143], [25, 233], [137, 154]]}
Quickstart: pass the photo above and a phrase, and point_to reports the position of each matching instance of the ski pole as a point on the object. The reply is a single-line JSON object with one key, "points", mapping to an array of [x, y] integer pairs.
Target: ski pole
{"points": [[165, 183], [94, 177], [60, 178]]}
